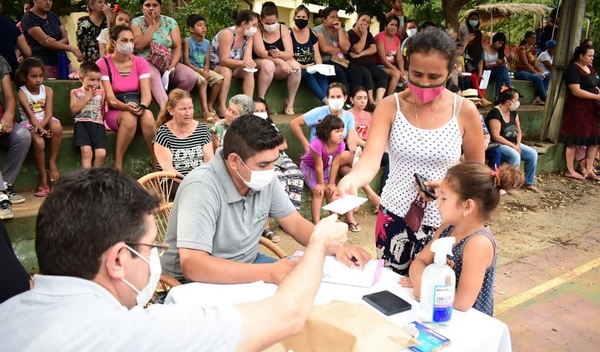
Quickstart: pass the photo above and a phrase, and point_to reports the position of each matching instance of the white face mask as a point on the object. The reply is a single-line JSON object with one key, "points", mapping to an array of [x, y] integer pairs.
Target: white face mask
{"points": [[125, 48], [250, 31], [514, 106], [411, 31], [270, 27], [473, 23], [258, 179], [143, 296], [336, 104], [262, 114]]}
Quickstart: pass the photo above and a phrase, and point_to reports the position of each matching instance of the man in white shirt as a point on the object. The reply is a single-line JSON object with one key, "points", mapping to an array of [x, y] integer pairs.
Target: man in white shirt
{"points": [[546, 57], [95, 245]]}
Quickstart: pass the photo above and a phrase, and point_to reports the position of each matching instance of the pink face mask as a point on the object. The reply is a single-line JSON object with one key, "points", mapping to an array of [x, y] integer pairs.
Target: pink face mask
{"points": [[425, 94]]}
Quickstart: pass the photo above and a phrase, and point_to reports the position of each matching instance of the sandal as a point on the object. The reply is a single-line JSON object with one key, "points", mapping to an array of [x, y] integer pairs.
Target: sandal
{"points": [[271, 235], [42, 192], [354, 226]]}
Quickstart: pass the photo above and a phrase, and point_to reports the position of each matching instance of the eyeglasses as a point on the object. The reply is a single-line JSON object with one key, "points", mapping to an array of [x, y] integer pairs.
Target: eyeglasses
{"points": [[162, 247]]}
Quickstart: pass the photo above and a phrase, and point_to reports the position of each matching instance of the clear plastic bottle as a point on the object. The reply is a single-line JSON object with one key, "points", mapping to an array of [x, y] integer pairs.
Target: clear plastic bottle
{"points": [[438, 284]]}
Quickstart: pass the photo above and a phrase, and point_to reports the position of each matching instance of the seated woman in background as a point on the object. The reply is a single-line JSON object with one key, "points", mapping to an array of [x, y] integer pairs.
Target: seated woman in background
{"points": [[495, 60], [275, 56], [126, 82], [334, 44], [231, 55], [239, 105], [389, 56], [505, 128], [158, 40], [362, 54], [307, 53], [47, 37], [181, 143], [89, 28], [527, 68]]}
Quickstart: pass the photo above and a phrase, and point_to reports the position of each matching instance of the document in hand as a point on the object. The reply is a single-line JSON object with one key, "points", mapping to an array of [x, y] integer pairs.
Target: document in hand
{"points": [[343, 205], [338, 273], [485, 80], [324, 69]]}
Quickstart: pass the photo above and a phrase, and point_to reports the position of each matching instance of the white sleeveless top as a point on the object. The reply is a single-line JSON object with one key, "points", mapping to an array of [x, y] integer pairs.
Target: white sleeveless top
{"points": [[415, 150], [37, 104]]}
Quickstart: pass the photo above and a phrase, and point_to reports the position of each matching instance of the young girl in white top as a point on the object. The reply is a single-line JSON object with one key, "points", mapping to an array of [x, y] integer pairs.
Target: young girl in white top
{"points": [[35, 106]]}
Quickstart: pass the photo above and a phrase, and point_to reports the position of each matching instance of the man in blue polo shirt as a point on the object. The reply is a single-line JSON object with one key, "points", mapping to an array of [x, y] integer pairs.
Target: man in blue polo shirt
{"points": [[222, 207]]}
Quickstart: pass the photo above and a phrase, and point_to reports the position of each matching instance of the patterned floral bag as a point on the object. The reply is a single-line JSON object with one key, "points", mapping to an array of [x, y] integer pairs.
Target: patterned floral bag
{"points": [[160, 56]]}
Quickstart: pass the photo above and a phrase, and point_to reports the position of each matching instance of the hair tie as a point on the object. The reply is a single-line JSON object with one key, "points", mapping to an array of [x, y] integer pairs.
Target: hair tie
{"points": [[117, 8], [504, 89], [496, 176]]}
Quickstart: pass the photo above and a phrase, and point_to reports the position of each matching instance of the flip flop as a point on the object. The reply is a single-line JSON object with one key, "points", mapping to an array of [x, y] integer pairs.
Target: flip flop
{"points": [[42, 192], [271, 235], [354, 227]]}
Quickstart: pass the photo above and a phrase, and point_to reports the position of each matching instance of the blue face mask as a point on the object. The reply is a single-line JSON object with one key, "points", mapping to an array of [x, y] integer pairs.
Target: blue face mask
{"points": [[473, 23]]}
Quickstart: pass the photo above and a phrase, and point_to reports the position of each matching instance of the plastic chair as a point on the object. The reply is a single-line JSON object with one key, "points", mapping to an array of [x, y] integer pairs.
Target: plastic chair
{"points": [[163, 184]]}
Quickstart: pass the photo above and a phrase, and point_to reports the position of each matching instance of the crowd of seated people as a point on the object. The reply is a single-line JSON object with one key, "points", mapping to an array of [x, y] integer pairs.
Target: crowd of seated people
{"points": [[229, 170], [124, 59]]}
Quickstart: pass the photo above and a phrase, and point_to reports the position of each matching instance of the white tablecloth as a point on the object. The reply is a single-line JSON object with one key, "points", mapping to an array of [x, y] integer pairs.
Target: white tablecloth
{"points": [[468, 331]]}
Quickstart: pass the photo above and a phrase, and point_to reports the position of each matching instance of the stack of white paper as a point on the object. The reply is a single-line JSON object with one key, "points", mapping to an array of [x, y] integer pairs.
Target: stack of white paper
{"points": [[338, 273]]}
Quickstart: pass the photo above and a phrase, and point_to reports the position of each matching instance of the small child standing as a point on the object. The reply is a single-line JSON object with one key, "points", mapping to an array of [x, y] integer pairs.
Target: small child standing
{"points": [[35, 106], [195, 49], [121, 17], [321, 163], [87, 104], [466, 197]]}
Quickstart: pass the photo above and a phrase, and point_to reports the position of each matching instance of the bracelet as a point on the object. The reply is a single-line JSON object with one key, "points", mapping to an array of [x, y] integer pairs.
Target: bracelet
{"points": [[143, 106]]}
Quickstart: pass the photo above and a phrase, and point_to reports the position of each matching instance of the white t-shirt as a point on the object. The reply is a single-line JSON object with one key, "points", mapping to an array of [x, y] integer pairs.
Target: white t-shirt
{"points": [[545, 56]]}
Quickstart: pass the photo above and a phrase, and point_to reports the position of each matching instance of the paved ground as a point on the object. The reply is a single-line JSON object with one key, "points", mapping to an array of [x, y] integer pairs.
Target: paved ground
{"points": [[556, 308]]}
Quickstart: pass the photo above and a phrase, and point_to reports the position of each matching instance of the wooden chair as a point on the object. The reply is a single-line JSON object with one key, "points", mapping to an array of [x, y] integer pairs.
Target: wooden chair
{"points": [[163, 184], [272, 247]]}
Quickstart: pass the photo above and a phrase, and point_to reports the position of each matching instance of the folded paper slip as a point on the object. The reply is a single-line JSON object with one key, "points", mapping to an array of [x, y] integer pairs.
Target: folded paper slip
{"points": [[324, 69], [346, 327], [343, 205]]}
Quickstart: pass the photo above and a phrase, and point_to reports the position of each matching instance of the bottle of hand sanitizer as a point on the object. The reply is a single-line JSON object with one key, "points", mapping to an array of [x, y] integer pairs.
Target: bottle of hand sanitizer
{"points": [[438, 284]]}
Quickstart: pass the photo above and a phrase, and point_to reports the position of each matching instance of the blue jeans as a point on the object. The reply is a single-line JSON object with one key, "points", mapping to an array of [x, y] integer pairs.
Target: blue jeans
{"points": [[500, 76], [528, 155], [494, 157], [264, 259], [317, 83], [540, 85]]}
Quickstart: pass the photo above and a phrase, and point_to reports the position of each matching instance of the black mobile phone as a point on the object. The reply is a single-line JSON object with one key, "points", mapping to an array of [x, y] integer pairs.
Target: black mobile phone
{"points": [[272, 47], [430, 192], [387, 302]]}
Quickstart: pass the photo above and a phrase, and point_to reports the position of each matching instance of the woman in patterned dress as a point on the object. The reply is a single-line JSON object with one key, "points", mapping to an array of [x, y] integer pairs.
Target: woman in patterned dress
{"points": [[89, 28], [163, 30], [424, 128]]}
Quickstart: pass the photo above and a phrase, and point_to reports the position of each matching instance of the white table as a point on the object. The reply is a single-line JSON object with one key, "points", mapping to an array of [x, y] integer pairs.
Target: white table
{"points": [[468, 331]]}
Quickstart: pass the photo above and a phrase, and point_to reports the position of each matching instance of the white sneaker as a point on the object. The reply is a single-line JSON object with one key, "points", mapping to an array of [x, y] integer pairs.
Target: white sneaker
{"points": [[5, 208], [13, 196]]}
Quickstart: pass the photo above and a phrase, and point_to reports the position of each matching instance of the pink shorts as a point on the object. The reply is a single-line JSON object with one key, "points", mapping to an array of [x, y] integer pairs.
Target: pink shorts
{"points": [[30, 127]]}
